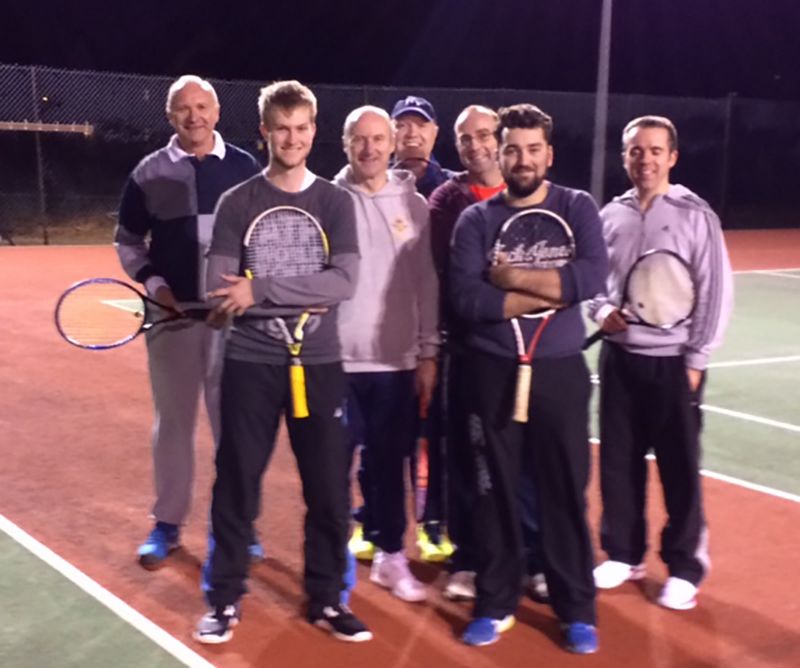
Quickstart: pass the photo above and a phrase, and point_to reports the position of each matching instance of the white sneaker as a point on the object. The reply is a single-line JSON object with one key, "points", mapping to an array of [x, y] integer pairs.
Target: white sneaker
{"points": [[612, 574], [460, 586], [537, 586], [678, 594], [390, 570]]}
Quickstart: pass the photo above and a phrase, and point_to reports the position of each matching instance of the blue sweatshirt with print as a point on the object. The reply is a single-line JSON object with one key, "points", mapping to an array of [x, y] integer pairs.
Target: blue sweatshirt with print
{"points": [[480, 303]]}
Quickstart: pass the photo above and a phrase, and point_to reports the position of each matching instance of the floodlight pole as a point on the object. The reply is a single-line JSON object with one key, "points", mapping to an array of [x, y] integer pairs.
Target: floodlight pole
{"points": [[601, 104]]}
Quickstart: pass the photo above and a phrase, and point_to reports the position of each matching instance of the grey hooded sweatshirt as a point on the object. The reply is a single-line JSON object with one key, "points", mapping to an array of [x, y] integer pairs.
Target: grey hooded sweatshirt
{"points": [[392, 320]]}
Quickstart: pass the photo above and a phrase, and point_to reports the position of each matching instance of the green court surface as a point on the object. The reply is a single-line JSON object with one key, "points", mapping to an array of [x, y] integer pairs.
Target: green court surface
{"points": [[765, 322], [47, 621], [765, 334], [753, 374]]}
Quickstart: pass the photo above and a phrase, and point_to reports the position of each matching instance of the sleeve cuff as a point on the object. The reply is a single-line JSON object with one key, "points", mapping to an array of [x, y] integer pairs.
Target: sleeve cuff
{"points": [[603, 312], [152, 284], [695, 360]]}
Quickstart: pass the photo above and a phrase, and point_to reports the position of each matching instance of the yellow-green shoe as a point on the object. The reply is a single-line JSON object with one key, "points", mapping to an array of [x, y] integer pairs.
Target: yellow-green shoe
{"points": [[434, 548], [359, 547]]}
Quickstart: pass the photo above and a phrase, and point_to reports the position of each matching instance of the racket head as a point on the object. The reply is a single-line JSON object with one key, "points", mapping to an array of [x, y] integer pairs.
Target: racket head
{"points": [[659, 289], [100, 313], [535, 239], [416, 165], [285, 241]]}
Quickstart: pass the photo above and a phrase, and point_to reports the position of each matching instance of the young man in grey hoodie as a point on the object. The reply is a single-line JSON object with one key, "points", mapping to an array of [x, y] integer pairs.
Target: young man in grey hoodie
{"points": [[389, 334], [652, 380]]}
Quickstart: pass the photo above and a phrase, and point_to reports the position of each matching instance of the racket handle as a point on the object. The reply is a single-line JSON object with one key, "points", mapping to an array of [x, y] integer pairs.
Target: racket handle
{"points": [[594, 338], [522, 396], [297, 386]]}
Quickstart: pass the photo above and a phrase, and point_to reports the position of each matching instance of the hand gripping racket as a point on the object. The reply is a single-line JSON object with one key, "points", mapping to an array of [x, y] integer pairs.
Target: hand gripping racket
{"points": [[658, 292], [532, 239], [285, 242], [104, 313]]}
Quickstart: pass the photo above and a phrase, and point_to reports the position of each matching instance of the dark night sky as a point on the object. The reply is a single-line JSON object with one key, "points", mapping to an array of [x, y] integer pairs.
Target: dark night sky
{"points": [[703, 48]]}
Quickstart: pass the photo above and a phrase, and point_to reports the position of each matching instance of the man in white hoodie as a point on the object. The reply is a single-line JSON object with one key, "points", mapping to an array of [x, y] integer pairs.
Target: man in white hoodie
{"points": [[651, 381], [389, 334]]}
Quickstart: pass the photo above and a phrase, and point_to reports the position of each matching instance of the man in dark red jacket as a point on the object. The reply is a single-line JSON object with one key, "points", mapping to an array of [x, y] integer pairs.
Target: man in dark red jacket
{"points": [[476, 143]]}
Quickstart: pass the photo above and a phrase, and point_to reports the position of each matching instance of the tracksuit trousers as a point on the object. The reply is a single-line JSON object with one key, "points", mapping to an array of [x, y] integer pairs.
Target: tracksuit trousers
{"points": [[254, 396], [646, 404], [553, 449], [381, 412], [185, 360]]}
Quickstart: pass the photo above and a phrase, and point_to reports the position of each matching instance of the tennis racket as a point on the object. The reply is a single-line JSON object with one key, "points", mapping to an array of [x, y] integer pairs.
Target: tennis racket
{"points": [[658, 292], [285, 242], [532, 239], [420, 468], [103, 313], [420, 167]]}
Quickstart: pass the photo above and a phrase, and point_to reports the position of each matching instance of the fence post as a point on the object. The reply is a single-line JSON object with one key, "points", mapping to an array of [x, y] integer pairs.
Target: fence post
{"points": [[39, 158], [726, 155]]}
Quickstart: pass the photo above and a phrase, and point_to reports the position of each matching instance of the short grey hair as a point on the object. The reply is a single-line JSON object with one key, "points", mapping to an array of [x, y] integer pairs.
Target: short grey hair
{"points": [[180, 83], [355, 116]]}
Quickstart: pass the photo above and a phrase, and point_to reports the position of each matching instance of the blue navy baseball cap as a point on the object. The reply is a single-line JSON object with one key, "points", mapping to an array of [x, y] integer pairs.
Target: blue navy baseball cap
{"points": [[414, 105]]}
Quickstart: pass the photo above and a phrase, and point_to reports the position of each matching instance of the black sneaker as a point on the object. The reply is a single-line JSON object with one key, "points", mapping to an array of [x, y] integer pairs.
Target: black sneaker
{"points": [[216, 626], [340, 621]]}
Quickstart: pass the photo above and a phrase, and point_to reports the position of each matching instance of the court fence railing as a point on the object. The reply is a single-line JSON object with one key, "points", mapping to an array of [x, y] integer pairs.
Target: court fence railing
{"points": [[69, 139]]}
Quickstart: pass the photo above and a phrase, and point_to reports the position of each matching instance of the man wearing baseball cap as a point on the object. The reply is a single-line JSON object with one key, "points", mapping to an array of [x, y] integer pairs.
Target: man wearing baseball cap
{"points": [[415, 121]]}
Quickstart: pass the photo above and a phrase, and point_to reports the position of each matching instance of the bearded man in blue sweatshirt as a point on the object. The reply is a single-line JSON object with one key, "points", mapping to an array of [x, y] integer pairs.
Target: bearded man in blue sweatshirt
{"points": [[553, 447]]}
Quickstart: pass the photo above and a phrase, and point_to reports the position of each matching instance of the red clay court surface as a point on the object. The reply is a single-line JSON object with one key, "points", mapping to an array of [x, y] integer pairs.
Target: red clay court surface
{"points": [[76, 475]]}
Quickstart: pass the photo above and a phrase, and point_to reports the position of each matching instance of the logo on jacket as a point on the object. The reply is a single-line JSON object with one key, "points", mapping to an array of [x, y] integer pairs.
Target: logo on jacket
{"points": [[400, 226]]}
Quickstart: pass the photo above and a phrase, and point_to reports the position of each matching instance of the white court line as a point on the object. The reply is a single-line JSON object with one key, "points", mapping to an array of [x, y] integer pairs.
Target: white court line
{"points": [[779, 274], [138, 621], [751, 486], [751, 418], [737, 482], [130, 305], [775, 270], [763, 360]]}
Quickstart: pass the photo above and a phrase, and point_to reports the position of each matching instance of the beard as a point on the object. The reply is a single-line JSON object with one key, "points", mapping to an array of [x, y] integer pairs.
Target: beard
{"points": [[521, 189]]}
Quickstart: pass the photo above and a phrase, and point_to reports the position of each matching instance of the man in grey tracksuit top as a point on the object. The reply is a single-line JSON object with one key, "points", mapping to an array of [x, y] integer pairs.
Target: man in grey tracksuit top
{"points": [[652, 380], [389, 334]]}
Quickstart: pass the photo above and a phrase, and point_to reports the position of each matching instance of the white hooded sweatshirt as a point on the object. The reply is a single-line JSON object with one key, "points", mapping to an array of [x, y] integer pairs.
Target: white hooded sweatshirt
{"points": [[392, 320]]}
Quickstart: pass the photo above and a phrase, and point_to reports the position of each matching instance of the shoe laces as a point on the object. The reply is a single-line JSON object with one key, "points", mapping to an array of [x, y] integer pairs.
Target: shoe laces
{"points": [[333, 611]]}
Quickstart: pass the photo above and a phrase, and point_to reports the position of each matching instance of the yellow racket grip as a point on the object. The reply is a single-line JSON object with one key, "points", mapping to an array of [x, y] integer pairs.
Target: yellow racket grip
{"points": [[522, 396], [248, 274], [297, 386]]}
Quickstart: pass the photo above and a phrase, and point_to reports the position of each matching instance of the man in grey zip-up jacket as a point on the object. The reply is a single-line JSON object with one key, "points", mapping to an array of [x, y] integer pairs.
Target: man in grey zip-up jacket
{"points": [[651, 380], [389, 335]]}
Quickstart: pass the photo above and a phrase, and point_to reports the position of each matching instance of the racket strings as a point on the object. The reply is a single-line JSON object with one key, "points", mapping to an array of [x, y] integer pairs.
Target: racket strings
{"points": [[535, 240], [100, 314], [285, 244], [660, 291]]}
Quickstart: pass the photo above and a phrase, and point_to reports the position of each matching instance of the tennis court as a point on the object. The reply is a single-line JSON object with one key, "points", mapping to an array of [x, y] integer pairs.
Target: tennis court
{"points": [[76, 479]]}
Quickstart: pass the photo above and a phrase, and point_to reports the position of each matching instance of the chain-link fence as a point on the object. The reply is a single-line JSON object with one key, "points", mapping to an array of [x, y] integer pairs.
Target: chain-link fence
{"points": [[68, 140]]}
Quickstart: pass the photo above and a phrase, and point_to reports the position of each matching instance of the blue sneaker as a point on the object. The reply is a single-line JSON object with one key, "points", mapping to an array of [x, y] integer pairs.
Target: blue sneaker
{"points": [[256, 551], [349, 579], [485, 630], [580, 638], [162, 540]]}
